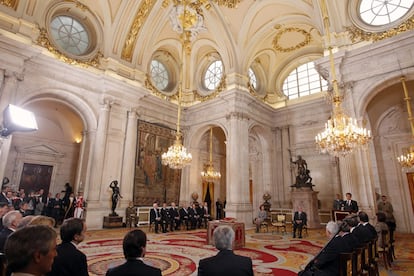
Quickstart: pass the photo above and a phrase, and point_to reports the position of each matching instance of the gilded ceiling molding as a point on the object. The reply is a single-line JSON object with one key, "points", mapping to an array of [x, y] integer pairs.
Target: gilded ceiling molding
{"points": [[80, 5], [139, 20], [306, 39], [154, 90], [252, 92], [43, 40], [356, 34], [222, 85], [10, 3]]}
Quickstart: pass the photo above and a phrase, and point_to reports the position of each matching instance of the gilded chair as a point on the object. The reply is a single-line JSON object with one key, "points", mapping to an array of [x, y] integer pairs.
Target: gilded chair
{"points": [[278, 222]]}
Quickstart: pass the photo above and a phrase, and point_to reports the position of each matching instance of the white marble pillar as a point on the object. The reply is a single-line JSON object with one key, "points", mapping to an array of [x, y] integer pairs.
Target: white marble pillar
{"points": [[128, 168], [78, 179], [287, 170], [99, 152], [237, 192]]}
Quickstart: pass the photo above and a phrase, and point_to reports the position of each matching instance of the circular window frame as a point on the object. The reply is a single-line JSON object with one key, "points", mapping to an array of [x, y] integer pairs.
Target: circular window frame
{"points": [[353, 11], [259, 72], [171, 66], [86, 18]]}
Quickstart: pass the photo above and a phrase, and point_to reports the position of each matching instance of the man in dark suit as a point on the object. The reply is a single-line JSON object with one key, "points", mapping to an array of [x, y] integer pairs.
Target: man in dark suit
{"points": [[70, 261], [225, 262], [349, 204], [165, 217], [364, 231], [185, 216], [31, 250], [175, 217], [134, 246], [299, 220], [155, 218], [10, 222]]}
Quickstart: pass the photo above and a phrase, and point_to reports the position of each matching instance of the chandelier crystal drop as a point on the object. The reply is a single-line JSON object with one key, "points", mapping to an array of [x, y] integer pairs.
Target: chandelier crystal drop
{"points": [[407, 160], [342, 134], [209, 174], [176, 157]]}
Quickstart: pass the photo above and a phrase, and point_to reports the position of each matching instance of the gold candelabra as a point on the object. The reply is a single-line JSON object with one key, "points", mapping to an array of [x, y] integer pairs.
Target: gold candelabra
{"points": [[407, 160]]}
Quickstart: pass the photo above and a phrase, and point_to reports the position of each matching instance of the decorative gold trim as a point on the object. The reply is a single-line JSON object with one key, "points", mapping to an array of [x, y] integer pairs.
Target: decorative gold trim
{"points": [[43, 40], [306, 41], [154, 90], [9, 3], [222, 85], [253, 92], [356, 34], [139, 20], [197, 4]]}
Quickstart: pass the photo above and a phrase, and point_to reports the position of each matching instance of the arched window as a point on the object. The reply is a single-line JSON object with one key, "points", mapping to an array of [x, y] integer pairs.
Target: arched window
{"points": [[303, 81], [252, 79], [213, 75], [159, 75], [383, 12], [70, 35]]}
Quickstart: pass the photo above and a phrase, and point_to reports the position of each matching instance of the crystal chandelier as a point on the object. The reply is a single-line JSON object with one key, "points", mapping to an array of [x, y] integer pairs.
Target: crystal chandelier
{"points": [[407, 160], [210, 175], [187, 22], [342, 134]]}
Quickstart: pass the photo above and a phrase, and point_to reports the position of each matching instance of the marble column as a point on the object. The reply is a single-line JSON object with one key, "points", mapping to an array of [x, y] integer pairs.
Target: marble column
{"points": [[237, 192], [99, 152], [128, 168]]}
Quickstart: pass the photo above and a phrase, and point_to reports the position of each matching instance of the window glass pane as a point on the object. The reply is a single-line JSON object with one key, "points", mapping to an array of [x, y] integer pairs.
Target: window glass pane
{"points": [[213, 75], [303, 81], [252, 78], [159, 75], [70, 35], [382, 12]]}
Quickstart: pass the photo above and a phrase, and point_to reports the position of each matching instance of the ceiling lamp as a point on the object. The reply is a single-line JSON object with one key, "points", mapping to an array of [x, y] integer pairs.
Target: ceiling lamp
{"points": [[342, 134], [407, 160], [210, 175], [187, 22]]}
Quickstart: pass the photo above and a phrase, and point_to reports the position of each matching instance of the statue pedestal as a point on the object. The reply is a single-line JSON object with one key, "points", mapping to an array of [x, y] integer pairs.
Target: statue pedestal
{"points": [[308, 200], [112, 222]]}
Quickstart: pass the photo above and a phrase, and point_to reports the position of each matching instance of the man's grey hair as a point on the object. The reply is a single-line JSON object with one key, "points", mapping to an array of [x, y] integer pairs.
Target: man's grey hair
{"points": [[223, 237], [332, 227], [10, 217]]}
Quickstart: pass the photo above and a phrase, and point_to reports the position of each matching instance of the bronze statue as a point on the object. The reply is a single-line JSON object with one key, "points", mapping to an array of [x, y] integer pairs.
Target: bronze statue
{"points": [[115, 196], [303, 178]]}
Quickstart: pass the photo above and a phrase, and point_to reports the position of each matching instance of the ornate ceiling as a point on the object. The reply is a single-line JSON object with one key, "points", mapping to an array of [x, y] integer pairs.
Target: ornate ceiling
{"points": [[274, 36]]}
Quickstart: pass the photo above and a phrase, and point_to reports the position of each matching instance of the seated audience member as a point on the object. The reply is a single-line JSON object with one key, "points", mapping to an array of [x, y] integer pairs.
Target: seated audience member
{"points": [[299, 220], [155, 218], [165, 217], [381, 226], [185, 217], [31, 250], [261, 216], [206, 214], [225, 262], [11, 221], [193, 216], [131, 217], [347, 228], [42, 220], [364, 231], [175, 217], [134, 247], [25, 221], [70, 261], [326, 262], [4, 208]]}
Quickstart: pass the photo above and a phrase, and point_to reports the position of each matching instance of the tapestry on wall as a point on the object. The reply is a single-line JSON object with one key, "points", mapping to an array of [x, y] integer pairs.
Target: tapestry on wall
{"points": [[153, 181], [35, 177]]}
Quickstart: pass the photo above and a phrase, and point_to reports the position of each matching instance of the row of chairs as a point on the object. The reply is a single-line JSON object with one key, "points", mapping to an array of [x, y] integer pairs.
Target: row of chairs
{"points": [[364, 260]]}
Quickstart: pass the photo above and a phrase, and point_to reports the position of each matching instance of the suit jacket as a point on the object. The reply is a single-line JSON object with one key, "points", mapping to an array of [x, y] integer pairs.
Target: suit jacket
{"points": [[353, 207], [134, 268], [226, 263], [327, 261], [301, 216], [4, 234], [365, 232], [69, 261], [154, 214]]}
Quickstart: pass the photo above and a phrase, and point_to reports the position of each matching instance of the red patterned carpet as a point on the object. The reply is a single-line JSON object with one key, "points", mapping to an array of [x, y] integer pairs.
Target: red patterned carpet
{"points": [[178, 253]]}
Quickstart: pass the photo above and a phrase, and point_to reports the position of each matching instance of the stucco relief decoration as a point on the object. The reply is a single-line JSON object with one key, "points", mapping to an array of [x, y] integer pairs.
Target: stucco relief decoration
{"points": [[291, 39], [10, 3], [43, 40], [139, 20], [356, 34]]}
